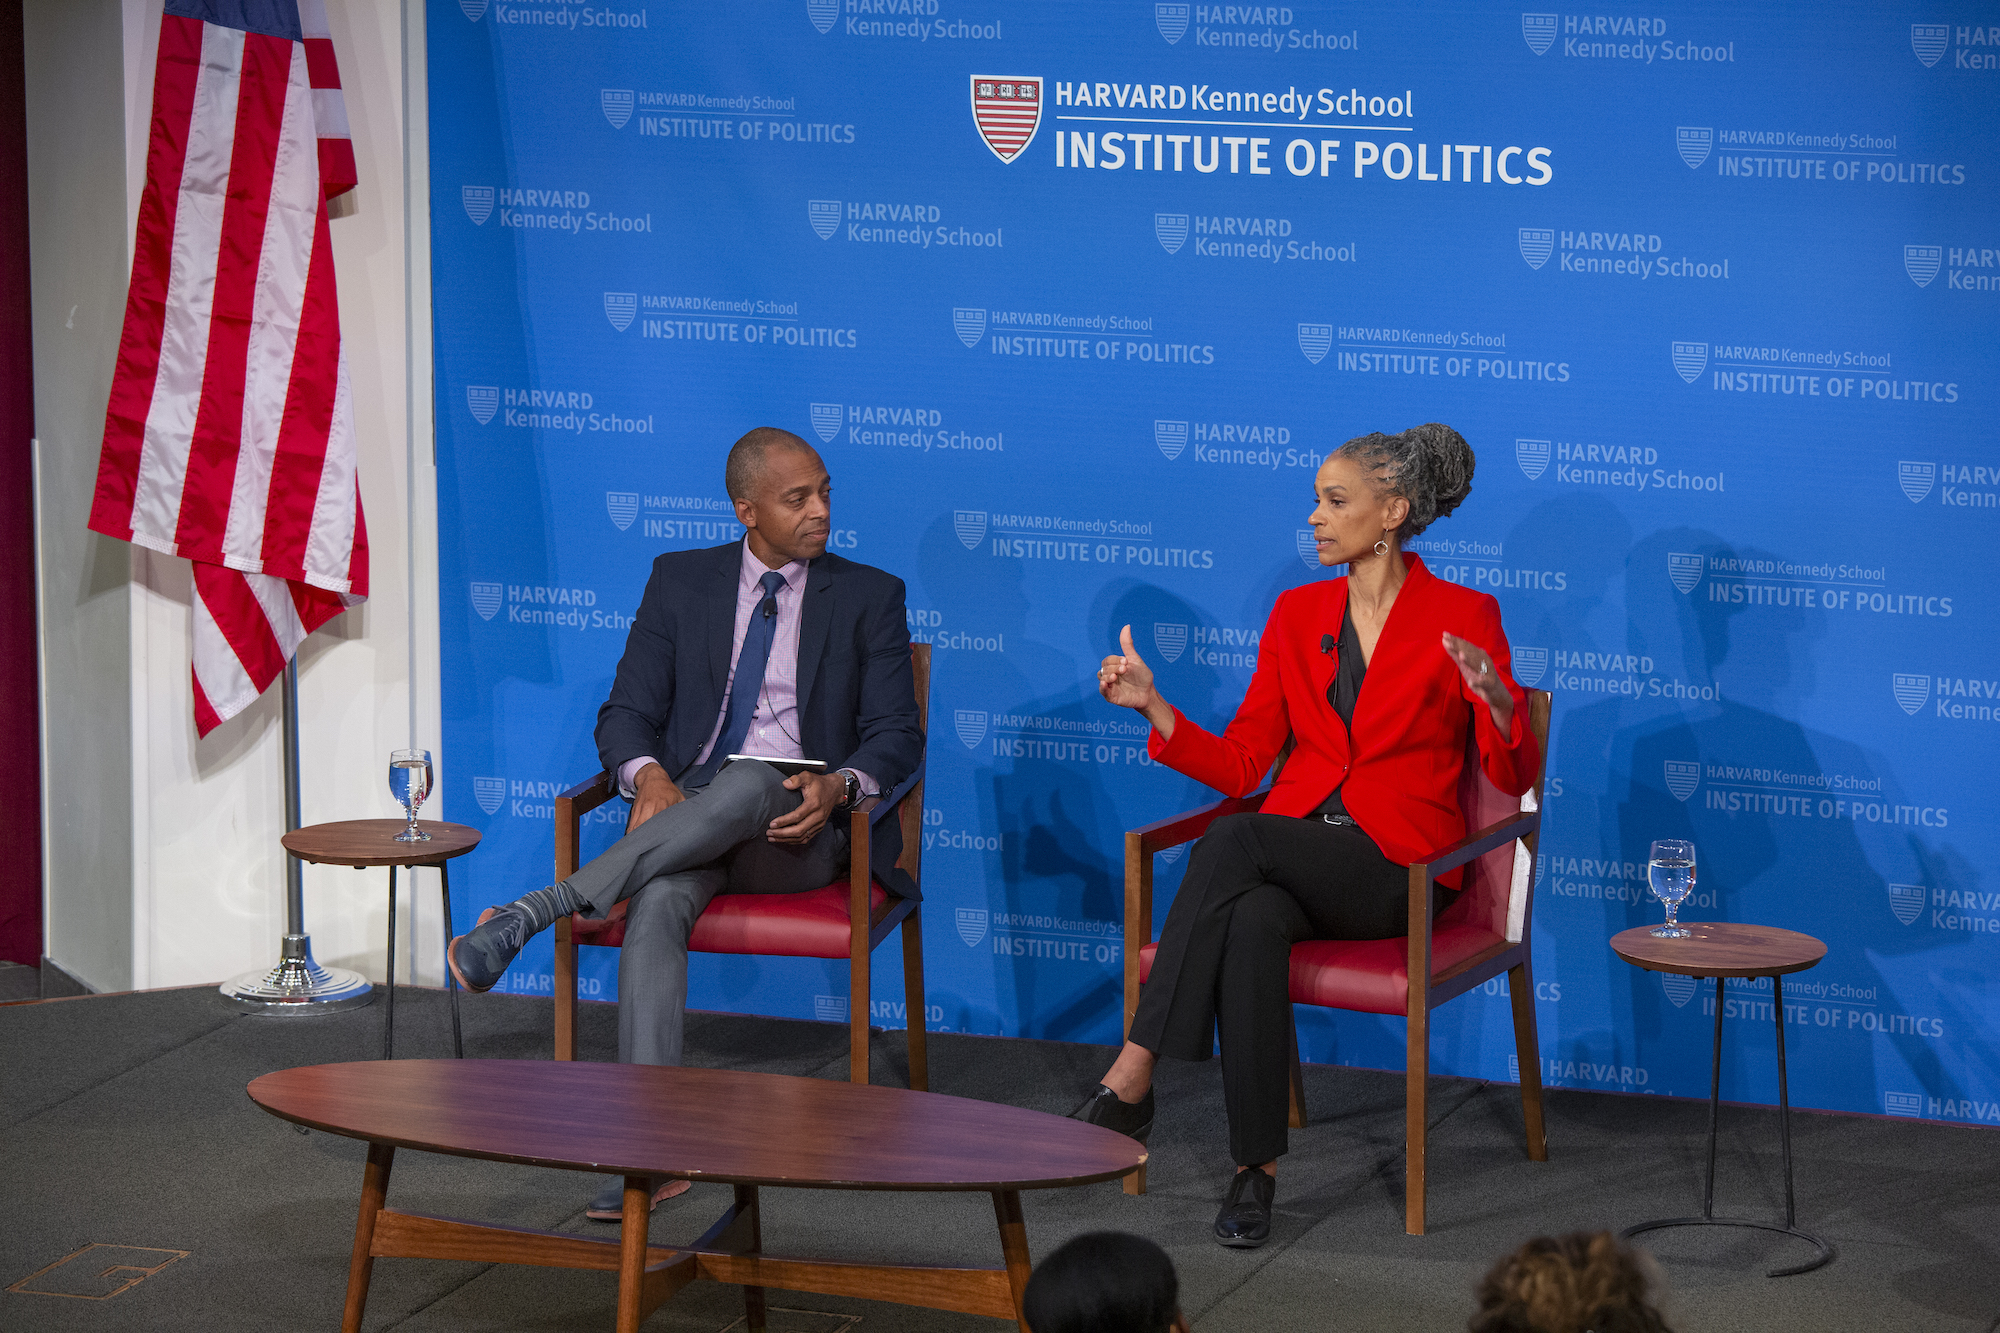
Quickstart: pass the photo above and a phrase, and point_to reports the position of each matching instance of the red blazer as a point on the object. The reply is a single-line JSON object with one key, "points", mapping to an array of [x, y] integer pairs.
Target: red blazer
{"points": [[1403, 763]]}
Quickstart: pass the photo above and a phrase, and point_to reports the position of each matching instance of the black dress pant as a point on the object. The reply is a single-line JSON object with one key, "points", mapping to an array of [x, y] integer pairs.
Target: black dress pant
{"points": [[1255, 885]]}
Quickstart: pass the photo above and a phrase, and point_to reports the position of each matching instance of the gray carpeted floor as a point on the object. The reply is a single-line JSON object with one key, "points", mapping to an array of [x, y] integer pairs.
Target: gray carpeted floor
{"points": [[126, 1125]]}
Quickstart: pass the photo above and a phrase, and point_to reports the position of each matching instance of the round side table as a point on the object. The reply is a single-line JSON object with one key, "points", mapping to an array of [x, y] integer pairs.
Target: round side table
{"points": [[372, 842], [1727, 949]]}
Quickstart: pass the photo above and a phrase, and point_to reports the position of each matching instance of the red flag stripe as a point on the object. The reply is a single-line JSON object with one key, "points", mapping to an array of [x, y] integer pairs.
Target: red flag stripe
{"points": [[176, 74], [218, 427]]}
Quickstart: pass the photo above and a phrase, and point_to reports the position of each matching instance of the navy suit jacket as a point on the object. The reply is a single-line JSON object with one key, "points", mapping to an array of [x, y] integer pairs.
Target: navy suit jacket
{"points": [[857, 698]]}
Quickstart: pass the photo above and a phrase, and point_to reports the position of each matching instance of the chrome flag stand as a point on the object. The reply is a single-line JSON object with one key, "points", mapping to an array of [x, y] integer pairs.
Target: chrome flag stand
{"points": [[297, 985]]}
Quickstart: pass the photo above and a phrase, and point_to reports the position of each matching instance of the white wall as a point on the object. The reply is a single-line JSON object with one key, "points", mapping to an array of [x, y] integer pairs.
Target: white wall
{"points": [[205, 892]]}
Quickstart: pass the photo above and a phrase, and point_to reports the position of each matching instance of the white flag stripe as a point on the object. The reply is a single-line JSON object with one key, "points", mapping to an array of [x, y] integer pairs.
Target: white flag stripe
{"points": [[283, 261], [224, 682], [330, 114], [204, 186], [312, 19], [330, 545]]}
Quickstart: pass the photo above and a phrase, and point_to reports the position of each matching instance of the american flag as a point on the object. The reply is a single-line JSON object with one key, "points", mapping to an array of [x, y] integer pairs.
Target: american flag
{"points": [[229, 437]]}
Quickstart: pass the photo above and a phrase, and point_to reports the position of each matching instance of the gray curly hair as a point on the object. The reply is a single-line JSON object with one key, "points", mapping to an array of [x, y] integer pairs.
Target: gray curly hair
{"points": [[1429, 465]]}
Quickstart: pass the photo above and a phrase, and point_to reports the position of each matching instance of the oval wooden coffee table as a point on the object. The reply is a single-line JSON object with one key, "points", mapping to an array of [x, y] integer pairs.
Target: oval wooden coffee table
{"points": [[1728, 949], [749, 1130], [372, 842]]}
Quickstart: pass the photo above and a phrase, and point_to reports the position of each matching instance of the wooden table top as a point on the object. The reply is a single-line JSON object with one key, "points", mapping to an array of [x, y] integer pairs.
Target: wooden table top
{"points": [[1720, 949], [697, 1124], [372, 842]]}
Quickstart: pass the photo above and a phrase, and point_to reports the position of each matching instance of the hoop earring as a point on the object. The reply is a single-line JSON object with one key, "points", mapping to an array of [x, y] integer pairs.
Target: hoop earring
{"points": [[1381, 548]]}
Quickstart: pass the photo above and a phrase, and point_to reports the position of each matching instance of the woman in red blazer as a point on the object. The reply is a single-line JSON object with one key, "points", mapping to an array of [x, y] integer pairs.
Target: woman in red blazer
{"points": [[1371, 786]]}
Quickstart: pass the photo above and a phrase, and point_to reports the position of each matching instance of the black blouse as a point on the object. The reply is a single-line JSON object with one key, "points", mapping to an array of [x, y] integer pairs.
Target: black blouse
{"points": [[1344, 691]]}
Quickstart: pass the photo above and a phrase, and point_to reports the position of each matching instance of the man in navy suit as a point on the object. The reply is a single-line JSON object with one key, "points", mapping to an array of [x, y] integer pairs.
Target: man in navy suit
{"points": [[769, 646]]}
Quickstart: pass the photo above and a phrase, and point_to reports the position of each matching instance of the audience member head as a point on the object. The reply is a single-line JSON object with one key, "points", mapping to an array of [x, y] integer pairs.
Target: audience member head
{"points": [[1104, 1282], [1579, 1283], [1429, 465]]}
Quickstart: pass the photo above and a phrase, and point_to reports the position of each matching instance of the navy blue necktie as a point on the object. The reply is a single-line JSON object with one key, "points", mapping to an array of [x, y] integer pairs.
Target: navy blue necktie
{"points": [[748, 683]]}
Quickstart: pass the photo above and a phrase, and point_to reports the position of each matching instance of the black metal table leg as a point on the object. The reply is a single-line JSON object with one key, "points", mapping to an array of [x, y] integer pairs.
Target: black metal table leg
{"points": [[389, 1013], [451, 982], [1708, 1217]]}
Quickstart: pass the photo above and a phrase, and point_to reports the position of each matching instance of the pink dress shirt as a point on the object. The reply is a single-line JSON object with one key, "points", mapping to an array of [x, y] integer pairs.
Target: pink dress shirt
{"points": [[774, 727]]}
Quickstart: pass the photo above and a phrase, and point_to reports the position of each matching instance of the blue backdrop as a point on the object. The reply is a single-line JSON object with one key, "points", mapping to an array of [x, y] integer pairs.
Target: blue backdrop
{"points": [[1075, 299]]}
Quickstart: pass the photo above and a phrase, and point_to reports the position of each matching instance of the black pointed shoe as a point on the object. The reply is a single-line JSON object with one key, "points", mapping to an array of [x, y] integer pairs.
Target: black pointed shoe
{"points": [[1103, 1107], [1245, 1220], [480, 959]]}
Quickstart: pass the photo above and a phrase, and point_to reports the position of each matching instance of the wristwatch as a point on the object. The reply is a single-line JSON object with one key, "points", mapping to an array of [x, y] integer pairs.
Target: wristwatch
{"points": [[851, 796]]}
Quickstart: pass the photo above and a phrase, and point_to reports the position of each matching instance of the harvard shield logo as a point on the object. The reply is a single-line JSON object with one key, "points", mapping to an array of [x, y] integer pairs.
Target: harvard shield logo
{"points": [[478, 201], [1683, 776], [826, 420], [1912, 691], [616, 103], [1690, 359], [1538, 31], [1171, 20], [830, 1008], [1694, 142], [1007, 110], [970, 723], [623, 507], [486, 599], [1928, 41], [970, 524], [969, 323], [1315, 340], [1684, 568], [1529, 664], [483, 400], [1308, 548], [1171, 436], [1906, 901], [972, 925], [1679, 989], [1916, 479], [824, 215], [619, 307], [1171, 640], [1170, 229], [822, 13], [1533, 456], [1921, 262], [489, 792], [1537, 244]]}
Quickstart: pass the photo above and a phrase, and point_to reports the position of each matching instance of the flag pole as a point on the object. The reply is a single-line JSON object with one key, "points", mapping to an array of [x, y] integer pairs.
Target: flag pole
{"points": [[297, 985]]}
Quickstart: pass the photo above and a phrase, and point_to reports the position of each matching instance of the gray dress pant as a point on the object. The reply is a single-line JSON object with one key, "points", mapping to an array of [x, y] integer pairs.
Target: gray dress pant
{"points": [[670, 866]]}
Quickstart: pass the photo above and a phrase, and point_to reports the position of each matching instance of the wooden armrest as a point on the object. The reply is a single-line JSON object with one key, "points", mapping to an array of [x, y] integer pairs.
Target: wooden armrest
{"points": [[1191, 824], [587, 795], [1475, 845]]}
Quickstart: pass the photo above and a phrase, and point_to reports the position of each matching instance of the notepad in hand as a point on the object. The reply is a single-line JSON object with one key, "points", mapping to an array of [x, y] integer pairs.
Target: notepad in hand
{"points": [[788, 767]]}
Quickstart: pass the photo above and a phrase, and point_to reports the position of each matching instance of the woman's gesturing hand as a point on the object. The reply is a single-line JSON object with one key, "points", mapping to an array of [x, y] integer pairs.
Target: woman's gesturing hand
{"points": [[1125, 679], [1477, 670]]}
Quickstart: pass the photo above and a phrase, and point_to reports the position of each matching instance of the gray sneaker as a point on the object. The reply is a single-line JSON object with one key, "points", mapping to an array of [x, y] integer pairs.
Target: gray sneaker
{"points": [[480, 959]]}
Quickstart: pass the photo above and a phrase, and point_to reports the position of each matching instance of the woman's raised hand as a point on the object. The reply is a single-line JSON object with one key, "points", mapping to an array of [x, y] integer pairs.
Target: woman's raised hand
{"points": [[1125, 680], [1476, 668]]}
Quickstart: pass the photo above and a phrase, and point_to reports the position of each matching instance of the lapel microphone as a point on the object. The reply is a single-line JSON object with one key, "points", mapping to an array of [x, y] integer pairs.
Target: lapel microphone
{"points": [[770, 607], [1326, 642]]}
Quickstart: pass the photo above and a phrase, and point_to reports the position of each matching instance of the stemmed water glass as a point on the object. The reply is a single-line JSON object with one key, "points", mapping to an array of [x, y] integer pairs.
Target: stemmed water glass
{"points": [[1670, 872], [410, 783]]}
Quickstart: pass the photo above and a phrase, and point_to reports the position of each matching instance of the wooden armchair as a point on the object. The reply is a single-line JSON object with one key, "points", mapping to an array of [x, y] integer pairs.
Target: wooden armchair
{"points": [[1484, 933], [846, 919]]}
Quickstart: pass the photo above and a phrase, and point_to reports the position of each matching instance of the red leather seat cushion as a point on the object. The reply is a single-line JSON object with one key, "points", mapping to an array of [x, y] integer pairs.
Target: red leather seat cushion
{"points": [[813, 924], [1372, 976]]}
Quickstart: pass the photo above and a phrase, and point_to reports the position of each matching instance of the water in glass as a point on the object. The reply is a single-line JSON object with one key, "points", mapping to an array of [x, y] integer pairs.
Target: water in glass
{"points": [[1670, 872], [410, 783]]}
